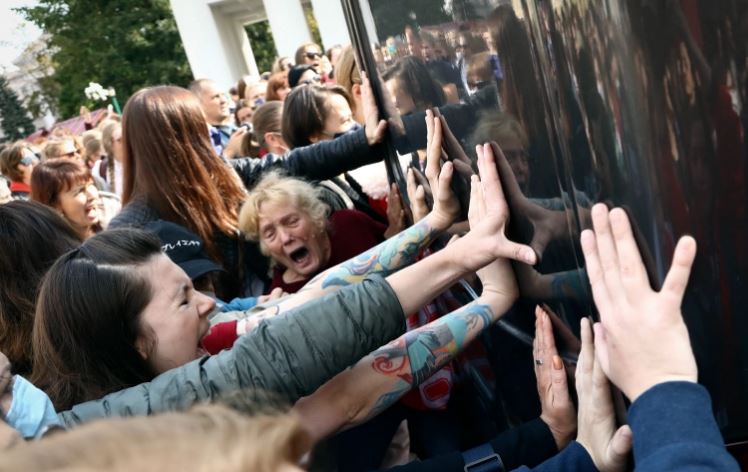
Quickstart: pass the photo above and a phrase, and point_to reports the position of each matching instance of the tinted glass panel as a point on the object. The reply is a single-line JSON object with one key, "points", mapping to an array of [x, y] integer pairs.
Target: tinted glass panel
{"points": [[635, 103]]}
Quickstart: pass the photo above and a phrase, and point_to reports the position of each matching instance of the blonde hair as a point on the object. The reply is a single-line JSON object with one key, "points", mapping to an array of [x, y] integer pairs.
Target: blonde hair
{"points": [[207, 438], [278, 65], [275, 188], [54, 146], [346, 70], [502, 128]]}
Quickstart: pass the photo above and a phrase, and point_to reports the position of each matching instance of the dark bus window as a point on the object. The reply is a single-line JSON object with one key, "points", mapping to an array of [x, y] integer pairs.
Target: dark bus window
{"points": [[638, 104]]}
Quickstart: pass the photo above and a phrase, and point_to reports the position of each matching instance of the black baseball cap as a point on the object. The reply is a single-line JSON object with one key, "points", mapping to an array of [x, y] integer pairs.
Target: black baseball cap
{"points": [[296, 72], [184, 248]]}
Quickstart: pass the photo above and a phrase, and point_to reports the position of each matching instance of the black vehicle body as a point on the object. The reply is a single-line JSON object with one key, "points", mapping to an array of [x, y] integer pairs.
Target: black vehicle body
{"points": [[639, 104]]}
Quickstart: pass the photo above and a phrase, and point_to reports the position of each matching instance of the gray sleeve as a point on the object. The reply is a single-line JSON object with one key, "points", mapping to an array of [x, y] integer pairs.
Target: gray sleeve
{"points": [[292, 354]]}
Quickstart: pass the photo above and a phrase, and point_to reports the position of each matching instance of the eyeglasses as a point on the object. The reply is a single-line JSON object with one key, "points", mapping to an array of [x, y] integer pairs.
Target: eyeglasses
{"points": [[313, 55], [28, 161], [69, 155]]}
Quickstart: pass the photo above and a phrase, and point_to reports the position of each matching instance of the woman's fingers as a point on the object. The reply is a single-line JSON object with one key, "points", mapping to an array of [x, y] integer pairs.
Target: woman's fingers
{"points": [[475, 197], [676, 279], [586, 356], [492, 190], [619, 448], [434, 153], [515, 251], [429, 128], [600, 292], [444, 178], [601, 347], [550, 341], [606, 248], [633, 273]]}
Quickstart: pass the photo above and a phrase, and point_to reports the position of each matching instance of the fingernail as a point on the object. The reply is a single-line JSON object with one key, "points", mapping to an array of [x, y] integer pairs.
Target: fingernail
{"points": [[529, 256], [557, 364]]}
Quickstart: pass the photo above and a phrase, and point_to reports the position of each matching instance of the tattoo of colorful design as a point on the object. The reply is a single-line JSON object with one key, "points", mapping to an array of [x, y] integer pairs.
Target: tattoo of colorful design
{"points": [[419, 354], [384, 259]]}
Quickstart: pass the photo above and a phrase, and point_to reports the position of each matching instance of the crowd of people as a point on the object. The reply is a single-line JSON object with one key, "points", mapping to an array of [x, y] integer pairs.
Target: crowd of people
{"points": [[226, 280]]}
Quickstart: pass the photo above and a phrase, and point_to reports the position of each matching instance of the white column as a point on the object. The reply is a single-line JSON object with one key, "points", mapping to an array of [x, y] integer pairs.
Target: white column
{"points": [[331, 22], [202, 41], [288, 25]]}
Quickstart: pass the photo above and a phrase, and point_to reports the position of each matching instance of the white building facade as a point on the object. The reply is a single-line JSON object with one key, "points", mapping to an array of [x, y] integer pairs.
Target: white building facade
{"points": [[217, 46]]}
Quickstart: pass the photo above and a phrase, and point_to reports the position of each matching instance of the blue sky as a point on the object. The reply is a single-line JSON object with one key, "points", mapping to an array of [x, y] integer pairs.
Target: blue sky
{"points": [[15, 32]]}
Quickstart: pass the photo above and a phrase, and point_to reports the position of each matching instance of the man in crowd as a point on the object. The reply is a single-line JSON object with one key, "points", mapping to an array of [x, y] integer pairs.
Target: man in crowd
{"points": [[216, 107]]}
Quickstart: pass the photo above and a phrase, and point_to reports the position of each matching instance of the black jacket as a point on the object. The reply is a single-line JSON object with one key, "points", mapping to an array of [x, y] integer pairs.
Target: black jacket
{"points": [[242, 260]]}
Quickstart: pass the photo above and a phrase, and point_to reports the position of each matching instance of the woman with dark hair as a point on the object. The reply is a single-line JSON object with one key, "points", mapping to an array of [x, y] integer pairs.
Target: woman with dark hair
{"points": [[172, 173], [316, 113], [411, 86], [266, 126], [16, 163], [67, 186], [32, 237]]}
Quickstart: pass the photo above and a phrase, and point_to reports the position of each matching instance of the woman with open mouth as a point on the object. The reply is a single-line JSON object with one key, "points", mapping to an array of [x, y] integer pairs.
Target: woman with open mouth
{"points": [[296, 230], [67, 186]]}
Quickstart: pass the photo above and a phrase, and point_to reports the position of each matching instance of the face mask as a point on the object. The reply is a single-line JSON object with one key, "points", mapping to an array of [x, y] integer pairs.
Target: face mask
{"points": [[31, 410]]}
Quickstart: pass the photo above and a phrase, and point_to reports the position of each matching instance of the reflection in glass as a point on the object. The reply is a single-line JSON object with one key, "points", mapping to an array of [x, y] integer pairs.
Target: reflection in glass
{"points": [[635, 103]]}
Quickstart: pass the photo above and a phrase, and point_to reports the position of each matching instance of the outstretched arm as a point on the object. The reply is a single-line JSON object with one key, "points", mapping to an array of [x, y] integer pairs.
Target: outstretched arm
{"points": [[385, 375]]}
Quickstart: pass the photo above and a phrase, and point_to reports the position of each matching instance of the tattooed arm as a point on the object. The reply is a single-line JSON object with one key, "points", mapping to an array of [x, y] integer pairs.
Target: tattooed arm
{"points": [[385, 375], [380, 379]]}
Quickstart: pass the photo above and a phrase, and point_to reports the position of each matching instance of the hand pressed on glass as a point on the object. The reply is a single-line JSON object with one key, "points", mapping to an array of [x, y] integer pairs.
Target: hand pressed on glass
{"points": [[641, 339]]}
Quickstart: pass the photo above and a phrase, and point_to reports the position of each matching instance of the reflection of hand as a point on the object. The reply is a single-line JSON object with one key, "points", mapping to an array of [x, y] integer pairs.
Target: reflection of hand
{"points": [[547, 225], [568, 340], [395, 212], [417, 196], [375, 128], [606, 446], [557, 409], [446, 207], [452, 151], [641, 339]]}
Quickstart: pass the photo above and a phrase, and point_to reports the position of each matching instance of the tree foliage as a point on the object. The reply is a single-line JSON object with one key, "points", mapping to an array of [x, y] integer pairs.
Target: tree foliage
{"points": [[125, 44], [14, 119], [263, 46], [391, 16]]}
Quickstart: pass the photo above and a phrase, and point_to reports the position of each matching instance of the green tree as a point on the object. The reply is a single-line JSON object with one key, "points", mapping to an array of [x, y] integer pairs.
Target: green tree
{"points": [[263, 46], [125, 44], [14, 119], [391, 16]]}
